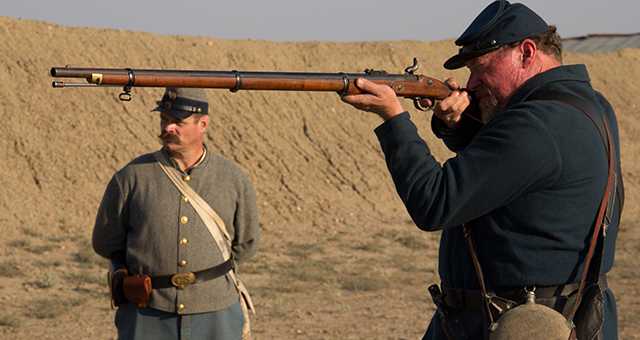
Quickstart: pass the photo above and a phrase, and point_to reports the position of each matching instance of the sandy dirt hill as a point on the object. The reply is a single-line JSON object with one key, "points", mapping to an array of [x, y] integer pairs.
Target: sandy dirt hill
{"points": [[340, 258]]}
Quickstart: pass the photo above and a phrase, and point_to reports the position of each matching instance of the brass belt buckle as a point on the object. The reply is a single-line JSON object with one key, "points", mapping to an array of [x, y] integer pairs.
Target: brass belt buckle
{"points": [[183, 279]]}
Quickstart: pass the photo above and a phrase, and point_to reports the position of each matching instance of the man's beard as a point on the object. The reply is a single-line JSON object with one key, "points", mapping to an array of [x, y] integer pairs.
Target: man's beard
{"points": [[170, 136], [488, 108]]}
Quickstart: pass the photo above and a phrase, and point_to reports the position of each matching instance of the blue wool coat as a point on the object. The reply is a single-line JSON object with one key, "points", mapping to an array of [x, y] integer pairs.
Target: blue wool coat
{"points": [[529, 183]]}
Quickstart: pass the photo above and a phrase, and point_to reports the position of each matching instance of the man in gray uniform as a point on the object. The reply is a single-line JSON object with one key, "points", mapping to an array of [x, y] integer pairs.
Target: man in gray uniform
{"points": [[145, 223]]}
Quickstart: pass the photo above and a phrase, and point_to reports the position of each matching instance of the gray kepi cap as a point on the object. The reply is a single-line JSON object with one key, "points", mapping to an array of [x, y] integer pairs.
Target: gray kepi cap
{"points": [[499, 24], [182, 102]]}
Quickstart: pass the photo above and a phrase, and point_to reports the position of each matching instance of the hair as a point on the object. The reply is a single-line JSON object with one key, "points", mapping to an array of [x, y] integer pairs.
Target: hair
{"points": [[549, 42], [197, 117]]}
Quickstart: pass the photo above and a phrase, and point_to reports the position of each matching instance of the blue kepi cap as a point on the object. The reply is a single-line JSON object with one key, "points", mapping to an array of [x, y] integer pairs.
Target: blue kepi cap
{"points": [[499, 24]]}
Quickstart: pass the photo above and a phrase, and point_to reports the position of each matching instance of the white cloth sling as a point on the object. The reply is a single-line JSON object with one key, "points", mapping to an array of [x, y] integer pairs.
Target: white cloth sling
{"points": [[214, 223]]}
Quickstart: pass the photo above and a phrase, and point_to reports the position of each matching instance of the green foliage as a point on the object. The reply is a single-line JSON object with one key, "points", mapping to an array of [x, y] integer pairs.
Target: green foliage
{"points": [[412, 242], [304, 250], [91, 278], [10, 269], [87, 258], [20, 243], [42, 249], [256, 265], [371, 247], [46, 281], [363, 283], [10, 320], [304, 275], [52, 308], [31, 232]]}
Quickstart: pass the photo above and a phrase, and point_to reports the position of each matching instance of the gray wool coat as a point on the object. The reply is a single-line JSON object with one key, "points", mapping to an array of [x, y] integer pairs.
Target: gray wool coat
{"points": [[144, 214]]}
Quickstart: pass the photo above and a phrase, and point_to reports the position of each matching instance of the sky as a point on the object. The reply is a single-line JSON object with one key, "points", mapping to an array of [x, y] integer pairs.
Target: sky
{"points": [[328, 20]]}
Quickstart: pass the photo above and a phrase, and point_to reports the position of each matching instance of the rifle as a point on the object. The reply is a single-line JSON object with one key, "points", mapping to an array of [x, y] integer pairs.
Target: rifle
{"points": [[406, 85]]}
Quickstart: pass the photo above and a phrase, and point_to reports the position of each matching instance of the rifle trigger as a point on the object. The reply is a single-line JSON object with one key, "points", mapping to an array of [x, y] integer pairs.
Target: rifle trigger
{"points": [[416, 103]]}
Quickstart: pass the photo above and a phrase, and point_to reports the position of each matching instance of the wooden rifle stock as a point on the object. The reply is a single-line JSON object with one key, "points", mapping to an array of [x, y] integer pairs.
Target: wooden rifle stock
{"points": [[406, 85]]}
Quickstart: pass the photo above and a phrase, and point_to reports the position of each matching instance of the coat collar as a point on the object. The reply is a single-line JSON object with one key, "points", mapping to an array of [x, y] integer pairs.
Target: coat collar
{"points": [[557, 74]]}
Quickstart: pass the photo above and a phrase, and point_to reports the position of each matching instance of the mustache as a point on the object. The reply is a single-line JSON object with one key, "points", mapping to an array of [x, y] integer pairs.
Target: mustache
{"points": [[483, 91], [490, 108], [170, 136]]}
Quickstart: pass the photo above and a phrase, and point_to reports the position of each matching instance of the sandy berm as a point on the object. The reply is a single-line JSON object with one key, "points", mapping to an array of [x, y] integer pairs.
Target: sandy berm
{"points": [[340, 257]]}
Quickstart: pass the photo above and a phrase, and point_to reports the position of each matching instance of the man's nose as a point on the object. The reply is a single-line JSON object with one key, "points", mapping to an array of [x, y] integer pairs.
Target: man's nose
{"points": [[473, 83], [168, 127]]}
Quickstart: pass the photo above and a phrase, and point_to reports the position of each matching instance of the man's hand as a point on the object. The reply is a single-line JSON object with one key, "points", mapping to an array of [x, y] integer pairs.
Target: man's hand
{"points": [[379, 99], [450, 109]]}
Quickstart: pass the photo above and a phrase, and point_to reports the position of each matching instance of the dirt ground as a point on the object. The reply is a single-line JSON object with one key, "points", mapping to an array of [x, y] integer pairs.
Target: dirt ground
{"points": [[340, 258]]}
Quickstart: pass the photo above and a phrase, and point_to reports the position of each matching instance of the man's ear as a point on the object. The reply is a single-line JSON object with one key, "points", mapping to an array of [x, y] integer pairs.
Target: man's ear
{"points": [[529, 50], [204, 122]]}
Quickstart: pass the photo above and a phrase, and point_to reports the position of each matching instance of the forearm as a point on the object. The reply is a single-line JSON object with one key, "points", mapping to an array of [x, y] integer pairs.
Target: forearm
{"points": [[247, 227], [458, 139], [417, 175], [109, 234]]}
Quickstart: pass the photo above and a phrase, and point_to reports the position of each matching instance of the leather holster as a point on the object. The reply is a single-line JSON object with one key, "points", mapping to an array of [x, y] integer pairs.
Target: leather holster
{"points": [[137, 288], [117, 273]]}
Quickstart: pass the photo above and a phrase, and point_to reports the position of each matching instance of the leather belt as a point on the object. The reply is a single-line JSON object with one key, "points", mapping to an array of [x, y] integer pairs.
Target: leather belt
{"points": [[183, 279], [470, 300]]}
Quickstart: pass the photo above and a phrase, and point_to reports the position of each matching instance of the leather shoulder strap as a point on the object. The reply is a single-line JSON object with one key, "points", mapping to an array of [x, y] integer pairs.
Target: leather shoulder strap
{"points": [[602, 123], [606, 206], [212, 220]]}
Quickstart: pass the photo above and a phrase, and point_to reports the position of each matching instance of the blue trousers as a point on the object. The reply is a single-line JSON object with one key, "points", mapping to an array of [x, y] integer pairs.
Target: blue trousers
{"points": [[135, 323]]}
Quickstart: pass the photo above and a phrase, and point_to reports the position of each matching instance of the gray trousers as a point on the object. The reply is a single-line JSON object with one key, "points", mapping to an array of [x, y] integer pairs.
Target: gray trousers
{"points": [[136, 323]]}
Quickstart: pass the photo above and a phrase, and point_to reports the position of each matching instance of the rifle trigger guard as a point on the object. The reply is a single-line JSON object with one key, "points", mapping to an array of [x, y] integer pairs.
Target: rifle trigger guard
{"points": [[126, 95], [416, 103], [238, 81], [345, 89]]}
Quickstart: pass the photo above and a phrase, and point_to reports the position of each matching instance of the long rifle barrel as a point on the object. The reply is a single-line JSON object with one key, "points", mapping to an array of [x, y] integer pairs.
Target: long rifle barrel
{"points": [[407, 85]]}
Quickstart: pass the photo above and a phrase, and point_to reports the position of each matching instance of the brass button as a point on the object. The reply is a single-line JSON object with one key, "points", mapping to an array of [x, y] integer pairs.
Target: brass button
{"points": [[183, 241], [185, 198], [184, 219], [180, 307], [187, 178], [182, 263]]}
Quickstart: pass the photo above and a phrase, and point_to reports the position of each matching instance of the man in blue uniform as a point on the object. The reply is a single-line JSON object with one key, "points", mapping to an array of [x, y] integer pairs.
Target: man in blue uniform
{"points": [[527, 180]]}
